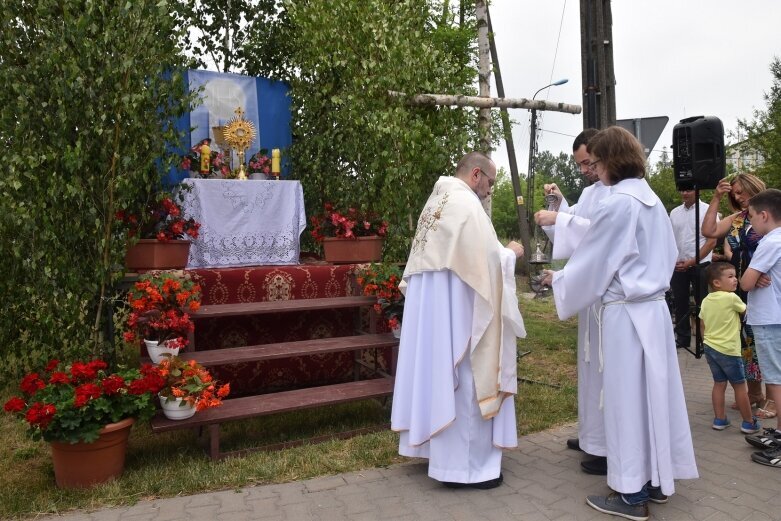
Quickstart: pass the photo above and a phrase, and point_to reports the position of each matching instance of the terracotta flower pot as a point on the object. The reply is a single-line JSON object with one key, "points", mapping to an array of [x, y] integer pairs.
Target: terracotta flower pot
{"points": [[360, 249], [151, 254], [81, 465]]}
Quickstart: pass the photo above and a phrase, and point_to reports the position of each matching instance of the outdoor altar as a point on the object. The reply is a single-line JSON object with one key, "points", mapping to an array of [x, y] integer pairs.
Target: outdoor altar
{"points": [[244, 223]]}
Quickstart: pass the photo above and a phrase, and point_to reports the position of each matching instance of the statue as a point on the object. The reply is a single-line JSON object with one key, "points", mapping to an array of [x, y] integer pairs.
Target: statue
{"points": [[205, 157]]}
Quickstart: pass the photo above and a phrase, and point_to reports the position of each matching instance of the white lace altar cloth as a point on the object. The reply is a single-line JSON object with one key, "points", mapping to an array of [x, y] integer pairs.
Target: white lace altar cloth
{"points": [[244, 223]]}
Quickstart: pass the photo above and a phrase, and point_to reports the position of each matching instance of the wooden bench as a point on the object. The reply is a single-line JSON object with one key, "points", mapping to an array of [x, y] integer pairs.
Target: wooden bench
{"points": [[278, 306], [273, 403], [281, 306], [265, 404]]}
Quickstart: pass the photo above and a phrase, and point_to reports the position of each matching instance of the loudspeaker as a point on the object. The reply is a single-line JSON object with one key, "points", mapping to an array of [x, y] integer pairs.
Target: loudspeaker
{"points": [[698, 152]]}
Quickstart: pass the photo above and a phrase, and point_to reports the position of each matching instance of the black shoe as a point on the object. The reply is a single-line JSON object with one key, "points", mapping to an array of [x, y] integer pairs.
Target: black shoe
{"points": [[482, 485], [596, 466], [769, 439], [614, 505], [574, 444], [655, 495], [770, 457]]}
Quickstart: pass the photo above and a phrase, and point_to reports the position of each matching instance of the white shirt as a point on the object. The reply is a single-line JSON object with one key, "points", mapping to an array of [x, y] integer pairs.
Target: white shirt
{"points": [[682, 219], [764, 304]]}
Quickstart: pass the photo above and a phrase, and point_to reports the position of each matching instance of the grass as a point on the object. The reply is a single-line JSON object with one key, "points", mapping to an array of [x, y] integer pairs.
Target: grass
{"points": [[171, 464]]}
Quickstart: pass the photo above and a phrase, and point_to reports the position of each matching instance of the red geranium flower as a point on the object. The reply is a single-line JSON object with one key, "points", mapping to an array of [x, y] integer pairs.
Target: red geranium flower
{"points": [[161, 220], [31, 383], [15, 404], [71, 403], [347, 225]]}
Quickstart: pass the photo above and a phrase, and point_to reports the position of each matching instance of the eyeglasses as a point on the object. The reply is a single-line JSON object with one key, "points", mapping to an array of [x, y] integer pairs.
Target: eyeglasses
{"points": [[490, 180], [592, 164]]}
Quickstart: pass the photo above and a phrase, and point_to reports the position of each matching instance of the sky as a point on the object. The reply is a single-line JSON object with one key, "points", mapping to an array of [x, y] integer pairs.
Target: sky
{"points": [[674, 58]]}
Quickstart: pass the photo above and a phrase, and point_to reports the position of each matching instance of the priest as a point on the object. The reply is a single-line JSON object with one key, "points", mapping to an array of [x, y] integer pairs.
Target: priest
{"points": [[456, 374]]}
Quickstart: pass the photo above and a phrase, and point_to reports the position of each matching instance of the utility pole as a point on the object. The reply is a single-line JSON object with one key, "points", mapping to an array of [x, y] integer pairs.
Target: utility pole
{"points": [[523, 222], [532, 167], [596, 60]]}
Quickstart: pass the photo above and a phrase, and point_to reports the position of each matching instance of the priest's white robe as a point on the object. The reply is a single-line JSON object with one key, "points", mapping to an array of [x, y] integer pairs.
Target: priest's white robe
{"points": [[572, 223], [449, 327], [625, 261]]}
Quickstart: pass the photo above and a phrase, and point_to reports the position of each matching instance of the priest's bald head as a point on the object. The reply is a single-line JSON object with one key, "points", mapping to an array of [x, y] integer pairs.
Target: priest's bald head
{"points": [[478, 171]]}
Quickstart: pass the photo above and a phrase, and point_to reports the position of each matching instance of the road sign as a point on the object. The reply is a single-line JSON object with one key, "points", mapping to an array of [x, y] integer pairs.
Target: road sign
{"points": [[646, 130]]}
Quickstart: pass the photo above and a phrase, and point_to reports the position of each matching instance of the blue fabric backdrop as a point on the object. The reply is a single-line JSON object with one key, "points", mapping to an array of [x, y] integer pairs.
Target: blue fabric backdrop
{"points": [[265, 102]]}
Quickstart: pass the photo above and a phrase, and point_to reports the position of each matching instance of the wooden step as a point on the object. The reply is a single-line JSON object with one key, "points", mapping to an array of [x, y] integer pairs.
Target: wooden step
{"points": [[257, 353], [265, 404], [281, 306]]}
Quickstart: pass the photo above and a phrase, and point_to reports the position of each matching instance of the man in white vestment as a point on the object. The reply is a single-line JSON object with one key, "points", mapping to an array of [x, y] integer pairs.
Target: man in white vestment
{"points": [[566, 228], [456, 372], [683, 279], [624, 263]]}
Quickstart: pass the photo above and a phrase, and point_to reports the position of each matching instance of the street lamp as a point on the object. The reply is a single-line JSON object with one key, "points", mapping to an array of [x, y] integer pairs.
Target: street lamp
{"points": [[533, 151], [538, 257]]}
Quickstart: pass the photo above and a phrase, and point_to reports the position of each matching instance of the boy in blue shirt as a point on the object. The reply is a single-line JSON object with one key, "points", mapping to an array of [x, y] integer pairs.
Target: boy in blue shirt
{"points": [[764, 310]]}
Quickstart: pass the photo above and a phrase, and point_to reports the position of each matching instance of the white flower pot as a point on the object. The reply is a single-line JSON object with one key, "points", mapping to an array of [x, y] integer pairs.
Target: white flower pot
{"points": [[396, 331], [176, 409], [157, 351]]}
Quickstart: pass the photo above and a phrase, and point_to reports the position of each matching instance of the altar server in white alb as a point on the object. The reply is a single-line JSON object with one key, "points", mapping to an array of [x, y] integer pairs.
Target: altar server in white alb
{"points": [[624, 263], [566, 227], [456, 373]]}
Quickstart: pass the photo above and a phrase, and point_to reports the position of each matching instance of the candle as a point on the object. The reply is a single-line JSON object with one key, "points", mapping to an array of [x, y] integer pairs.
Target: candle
{"points": [[205, 157], [275, 161]]}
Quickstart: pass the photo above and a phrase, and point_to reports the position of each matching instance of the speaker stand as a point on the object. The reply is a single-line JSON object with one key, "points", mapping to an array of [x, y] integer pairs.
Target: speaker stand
{"points": [[694, 309]]}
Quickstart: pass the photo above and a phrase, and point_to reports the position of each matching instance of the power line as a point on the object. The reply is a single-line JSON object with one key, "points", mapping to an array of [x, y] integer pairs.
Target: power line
{"points": [[668, 150], [554, 132], [555, 55], [558, 40]]}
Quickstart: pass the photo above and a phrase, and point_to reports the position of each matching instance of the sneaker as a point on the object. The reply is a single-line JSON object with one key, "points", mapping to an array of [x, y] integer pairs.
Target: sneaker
{"points": [[770, 458], [614, 505], [655, 495], [720, 424], [751, 427], [769, 439]]}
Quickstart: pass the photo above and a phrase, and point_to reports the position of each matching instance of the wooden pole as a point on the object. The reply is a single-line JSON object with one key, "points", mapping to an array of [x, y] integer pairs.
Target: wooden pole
{"points": [[596, 46], [483, 73], [459, 100], [523, 223]]}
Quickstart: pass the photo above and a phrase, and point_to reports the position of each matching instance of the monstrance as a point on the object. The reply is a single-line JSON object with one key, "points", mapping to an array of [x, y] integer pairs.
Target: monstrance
{"points": [[239, 134]]}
